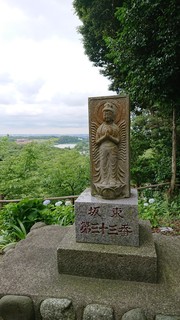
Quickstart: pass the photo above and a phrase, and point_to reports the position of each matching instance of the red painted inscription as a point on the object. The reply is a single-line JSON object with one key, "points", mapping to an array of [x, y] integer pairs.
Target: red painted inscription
{"points": [[96, 228], [116, 212]]}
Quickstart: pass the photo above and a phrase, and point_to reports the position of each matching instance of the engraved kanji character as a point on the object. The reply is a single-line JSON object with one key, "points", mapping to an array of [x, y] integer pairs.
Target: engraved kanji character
{"points": [[85, 227], [95, 228], [103, 228], [93, 211], [113, 229], [117, 212], [125, 229]]}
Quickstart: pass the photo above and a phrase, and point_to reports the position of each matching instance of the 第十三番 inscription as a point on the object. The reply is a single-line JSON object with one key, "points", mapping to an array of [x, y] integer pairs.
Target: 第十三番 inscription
{"points": [[102, 228]]}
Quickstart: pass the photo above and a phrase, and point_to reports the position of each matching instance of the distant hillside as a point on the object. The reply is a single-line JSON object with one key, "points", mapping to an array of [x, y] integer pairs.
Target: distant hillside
{"points": [[60, 139], [70, 139]]}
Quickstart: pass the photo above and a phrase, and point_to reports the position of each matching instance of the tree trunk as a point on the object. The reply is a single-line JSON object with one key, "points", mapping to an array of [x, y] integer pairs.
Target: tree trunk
{"points": [[173, 167], [1, 198]]}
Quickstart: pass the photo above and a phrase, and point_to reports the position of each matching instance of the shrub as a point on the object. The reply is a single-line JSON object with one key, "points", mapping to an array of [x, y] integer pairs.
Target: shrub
{"points": [[159, 210], [16, 219]]}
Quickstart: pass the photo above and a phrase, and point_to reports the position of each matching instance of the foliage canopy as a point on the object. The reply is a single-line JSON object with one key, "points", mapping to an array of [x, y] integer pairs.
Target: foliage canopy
{"points": [[136, 43], [41, 170]]}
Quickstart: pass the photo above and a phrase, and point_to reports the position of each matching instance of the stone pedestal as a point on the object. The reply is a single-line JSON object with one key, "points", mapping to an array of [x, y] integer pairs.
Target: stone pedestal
{"points": [[104, 221], [108, 241], [109, 261]]}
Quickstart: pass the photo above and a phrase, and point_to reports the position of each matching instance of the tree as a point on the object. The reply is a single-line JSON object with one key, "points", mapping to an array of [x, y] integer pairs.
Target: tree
{"points": [[140, 58], [99, 21], [69, 174], [151, 148], [41, 170]]}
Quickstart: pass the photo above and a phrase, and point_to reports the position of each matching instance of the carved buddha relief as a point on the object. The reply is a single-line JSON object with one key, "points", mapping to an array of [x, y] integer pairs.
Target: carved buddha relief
{"points": [[109, 147]]}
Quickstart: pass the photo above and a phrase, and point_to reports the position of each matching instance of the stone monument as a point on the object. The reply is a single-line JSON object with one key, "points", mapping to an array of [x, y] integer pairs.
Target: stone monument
{"points": [[109, 146], [107, 230], [108, 212]]}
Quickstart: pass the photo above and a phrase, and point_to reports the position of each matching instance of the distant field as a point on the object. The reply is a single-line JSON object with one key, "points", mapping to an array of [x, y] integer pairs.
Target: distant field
{"points": [[58, 139]]}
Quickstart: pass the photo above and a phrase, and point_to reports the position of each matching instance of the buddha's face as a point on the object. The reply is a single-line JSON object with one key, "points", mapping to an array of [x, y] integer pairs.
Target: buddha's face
{"points": [[108, 116]]}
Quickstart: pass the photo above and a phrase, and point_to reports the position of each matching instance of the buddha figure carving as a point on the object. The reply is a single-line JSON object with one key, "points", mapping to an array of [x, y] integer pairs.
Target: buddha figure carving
{"points": [[109, 152]]}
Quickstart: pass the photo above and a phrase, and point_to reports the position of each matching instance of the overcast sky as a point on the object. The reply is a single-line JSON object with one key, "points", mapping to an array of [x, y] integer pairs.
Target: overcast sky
{"points": [[45, 77]]}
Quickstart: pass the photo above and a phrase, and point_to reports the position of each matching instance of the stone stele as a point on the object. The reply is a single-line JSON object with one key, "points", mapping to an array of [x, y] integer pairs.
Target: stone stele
{"points": [[104, 221], [109, 146], [108, 240]]}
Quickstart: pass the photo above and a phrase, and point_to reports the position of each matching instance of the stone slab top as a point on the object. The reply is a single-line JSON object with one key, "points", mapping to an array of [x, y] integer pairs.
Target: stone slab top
{"points": [[31, 269], [87, 197]]}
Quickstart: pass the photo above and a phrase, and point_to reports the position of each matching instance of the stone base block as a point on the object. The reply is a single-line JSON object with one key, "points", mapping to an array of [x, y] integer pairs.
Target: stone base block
{"points": [[104, 221], [16, 307], [109, 262], [56, 309]]}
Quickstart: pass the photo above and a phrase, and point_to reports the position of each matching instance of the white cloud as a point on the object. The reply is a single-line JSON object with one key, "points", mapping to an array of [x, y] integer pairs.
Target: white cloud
{"points": [[22, 110], [5, 78], [45, 78]]}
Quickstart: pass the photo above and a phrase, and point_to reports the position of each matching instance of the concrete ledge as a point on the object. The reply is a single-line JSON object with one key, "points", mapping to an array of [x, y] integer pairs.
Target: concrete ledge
{"points": [[109, 262]]}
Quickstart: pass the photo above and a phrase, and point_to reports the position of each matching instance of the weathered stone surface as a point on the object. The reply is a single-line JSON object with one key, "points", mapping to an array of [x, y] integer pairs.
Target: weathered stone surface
{"points": [[107, 221], [166, 317], [31, 270], [98, 312], [37, 225], [134, 314], [16, 308], [9, 247], [109, 262], [57, 309], [109, 146], [168, 263]]}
